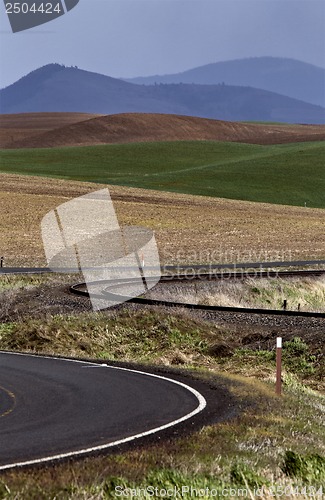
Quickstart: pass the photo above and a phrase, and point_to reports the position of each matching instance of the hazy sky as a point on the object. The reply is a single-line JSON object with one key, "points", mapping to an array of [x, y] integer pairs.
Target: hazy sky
{"points": [[126, 38]]}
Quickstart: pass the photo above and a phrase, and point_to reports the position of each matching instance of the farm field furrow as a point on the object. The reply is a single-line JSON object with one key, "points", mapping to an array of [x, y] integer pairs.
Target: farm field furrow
{"points": [[188, 229]]}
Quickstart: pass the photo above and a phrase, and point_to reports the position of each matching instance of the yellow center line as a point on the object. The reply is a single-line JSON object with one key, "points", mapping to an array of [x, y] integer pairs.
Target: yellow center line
{"points": [[13, 402]]}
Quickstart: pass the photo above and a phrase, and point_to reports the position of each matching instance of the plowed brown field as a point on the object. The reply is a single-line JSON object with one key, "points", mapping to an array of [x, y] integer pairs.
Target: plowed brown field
{"points": [[33, 130], [189, 229], [20, 126]]}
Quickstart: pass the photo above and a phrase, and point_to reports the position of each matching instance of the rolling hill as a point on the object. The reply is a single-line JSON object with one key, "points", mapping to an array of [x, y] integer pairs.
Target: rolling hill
{"points": [[284, 76], [56, 88], [288, 174], [142, 127], [16, 127]]}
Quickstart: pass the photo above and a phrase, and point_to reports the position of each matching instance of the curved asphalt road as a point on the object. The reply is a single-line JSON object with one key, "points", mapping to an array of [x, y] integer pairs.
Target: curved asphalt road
{"points": [[56, 408], [52, 408], [244, 265]]}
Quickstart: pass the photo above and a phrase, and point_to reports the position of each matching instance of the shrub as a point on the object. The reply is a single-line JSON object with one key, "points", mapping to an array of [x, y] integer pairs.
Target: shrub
{"points": [[309, 468]]}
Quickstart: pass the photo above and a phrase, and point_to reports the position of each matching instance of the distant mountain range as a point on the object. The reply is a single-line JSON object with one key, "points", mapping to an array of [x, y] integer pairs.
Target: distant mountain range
{"points": [[288, 77], [58, 88]]}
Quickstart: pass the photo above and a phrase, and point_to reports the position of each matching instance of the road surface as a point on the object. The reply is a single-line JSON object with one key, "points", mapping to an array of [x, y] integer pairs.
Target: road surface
{"points": [[54, 408]]}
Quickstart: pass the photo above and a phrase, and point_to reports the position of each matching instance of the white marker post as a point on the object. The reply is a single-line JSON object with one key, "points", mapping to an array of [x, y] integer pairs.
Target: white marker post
{"points": [[278, 365], [142, 260]]}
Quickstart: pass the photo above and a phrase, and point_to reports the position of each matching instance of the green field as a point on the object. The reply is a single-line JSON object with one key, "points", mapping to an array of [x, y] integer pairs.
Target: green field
{"points": [[290, 174]]}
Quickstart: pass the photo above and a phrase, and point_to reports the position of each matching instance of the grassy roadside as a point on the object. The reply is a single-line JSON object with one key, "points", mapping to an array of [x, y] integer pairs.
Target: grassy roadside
{"points": [[304, 294], [274, 442]]}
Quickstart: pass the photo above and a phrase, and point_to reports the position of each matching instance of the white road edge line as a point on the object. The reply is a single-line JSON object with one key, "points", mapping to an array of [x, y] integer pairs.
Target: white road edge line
{"points": [[202, 404]]}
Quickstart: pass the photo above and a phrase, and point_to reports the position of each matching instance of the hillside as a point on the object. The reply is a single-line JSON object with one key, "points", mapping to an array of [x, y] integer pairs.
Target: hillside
{"points": [[281, 75], [287, 174], [19, 126], [56, 88], [140, 127]]}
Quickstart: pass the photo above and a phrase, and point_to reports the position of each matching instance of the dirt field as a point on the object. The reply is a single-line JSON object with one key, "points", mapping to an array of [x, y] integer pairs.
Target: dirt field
{"points": [[189, 229], [20, 126], [72, 129]]}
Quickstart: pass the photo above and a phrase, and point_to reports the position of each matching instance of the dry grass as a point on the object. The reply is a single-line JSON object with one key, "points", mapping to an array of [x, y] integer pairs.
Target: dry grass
{"points": [[157, 336], [307, 294], [189, 229]]}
